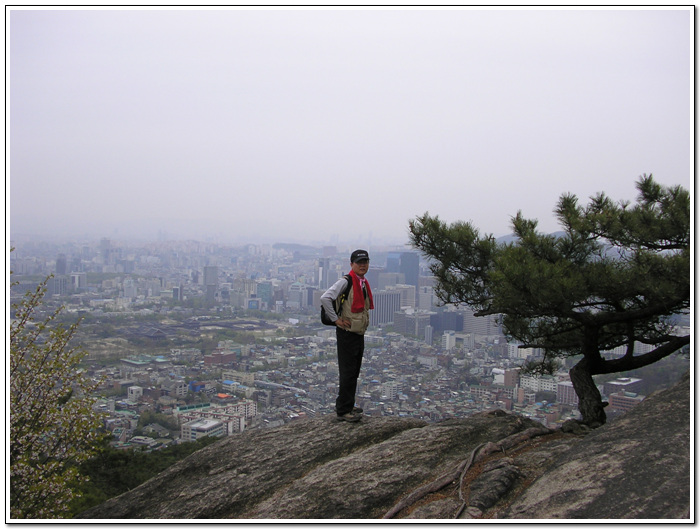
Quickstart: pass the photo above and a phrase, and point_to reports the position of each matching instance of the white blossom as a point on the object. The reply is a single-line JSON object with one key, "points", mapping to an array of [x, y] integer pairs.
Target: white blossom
{"points": [[53, 426]]}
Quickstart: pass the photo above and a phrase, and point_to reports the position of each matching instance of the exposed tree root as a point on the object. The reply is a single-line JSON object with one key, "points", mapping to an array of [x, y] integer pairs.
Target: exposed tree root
{"points": [[477, 454], [433, 486]]}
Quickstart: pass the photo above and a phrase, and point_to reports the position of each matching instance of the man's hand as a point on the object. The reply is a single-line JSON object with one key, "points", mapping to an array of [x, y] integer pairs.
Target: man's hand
{"points": [[343, 323]]}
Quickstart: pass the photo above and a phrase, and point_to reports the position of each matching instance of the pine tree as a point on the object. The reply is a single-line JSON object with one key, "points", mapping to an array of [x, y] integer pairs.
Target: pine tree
{"points": [[616, 277], [53, 426]]}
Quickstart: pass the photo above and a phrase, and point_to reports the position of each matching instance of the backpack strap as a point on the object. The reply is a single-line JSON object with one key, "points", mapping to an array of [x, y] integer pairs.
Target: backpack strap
{"points": [[348, 277], [343, 295]]}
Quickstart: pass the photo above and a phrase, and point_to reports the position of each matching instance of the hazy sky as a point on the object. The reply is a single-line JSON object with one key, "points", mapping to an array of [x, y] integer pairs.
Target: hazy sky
{"points": [[316, 125]]}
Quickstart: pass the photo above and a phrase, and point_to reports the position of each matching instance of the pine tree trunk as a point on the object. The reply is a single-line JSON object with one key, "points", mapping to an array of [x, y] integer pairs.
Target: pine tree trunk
{"points": [[590, 402]]}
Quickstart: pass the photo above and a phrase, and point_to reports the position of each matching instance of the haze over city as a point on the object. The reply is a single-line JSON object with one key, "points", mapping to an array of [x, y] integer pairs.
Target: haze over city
{"points": [[336, 125]]}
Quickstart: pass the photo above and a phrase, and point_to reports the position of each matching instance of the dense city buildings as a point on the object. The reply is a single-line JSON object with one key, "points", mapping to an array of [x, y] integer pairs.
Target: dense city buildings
{"points": [[195, 339]]}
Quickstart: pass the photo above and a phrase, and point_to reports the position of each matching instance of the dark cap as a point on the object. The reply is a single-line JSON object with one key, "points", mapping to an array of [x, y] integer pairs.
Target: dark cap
{"points": [[359, 255]]}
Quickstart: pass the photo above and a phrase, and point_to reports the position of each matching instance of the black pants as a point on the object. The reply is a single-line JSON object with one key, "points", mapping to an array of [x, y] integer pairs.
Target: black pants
{"points": [[351, 348]]}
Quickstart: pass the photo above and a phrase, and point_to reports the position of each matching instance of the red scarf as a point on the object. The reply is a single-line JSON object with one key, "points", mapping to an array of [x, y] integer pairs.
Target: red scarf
{"points": [[358, 298]]}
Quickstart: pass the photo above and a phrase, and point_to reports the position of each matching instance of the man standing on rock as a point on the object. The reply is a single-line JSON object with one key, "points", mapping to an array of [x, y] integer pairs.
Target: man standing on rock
{"points": [[351, 324]]}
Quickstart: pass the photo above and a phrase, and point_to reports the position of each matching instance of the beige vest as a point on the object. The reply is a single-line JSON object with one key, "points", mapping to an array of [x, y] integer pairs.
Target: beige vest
{"points": [[360, 320]]}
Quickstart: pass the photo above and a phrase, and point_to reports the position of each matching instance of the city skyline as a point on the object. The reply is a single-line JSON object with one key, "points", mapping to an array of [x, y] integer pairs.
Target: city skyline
{"points": [[329, 126]]}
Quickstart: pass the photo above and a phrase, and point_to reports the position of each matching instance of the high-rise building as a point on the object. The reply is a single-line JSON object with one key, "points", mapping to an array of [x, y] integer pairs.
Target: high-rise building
{"points": [[130, 289], [511, 378], [388, 279], [393, 262], [61, 264], [426, 298], [108, 253], [264, 292], [311, 294], [246, 286], [211, 282], [566, 393], [408, 266], [57, 286], [126, 266], [297, 296], [324, 265], [412, 323], [448, 320], [404, 263], [211, 275], [386, 304], [449, 340], [483, 325], [78, 281], [429, 335], [408, 294], [105, 248], [466, 341]]}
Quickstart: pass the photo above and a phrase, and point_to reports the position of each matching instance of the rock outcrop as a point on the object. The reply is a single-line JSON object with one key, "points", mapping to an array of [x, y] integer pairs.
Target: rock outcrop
{"points": [[638, 466], [491, 465]]}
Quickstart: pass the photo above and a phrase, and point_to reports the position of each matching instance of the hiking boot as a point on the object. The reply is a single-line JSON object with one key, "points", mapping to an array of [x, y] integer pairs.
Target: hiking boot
{"points": [[349, 417], [355, 409]]}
